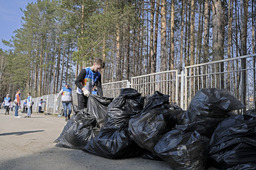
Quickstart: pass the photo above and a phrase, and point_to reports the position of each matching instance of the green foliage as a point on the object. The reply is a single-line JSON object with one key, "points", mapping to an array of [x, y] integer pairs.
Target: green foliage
{"points": [[50, 28]]}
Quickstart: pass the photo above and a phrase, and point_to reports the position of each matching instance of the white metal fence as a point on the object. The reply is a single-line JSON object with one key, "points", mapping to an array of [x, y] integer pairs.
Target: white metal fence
{"points": [[164, 82], [112, 89], [237, 75], [49, 105]]}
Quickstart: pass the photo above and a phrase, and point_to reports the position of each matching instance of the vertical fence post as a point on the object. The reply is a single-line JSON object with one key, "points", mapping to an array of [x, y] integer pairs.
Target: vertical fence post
{"points": [[47, 104], [177, 87], [182, 77]]}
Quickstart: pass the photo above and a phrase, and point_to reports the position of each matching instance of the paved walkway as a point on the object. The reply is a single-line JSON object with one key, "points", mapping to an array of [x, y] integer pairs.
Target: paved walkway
{"points": [[27, 144]]}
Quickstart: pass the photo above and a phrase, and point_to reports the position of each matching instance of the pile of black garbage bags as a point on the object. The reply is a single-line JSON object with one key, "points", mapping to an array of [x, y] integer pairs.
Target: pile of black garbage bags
{"points": [[208, 134]]}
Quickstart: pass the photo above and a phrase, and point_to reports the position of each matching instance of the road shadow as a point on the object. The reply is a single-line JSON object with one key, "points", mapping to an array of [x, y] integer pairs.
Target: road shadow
{"points": [[62, 158], [20, 133]]}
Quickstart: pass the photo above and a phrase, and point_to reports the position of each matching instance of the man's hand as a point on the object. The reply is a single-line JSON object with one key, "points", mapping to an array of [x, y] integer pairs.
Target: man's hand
{"points": [[86, 92]]}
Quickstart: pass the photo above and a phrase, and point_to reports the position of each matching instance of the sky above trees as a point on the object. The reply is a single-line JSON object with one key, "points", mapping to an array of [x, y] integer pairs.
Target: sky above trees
{"points": [[10, 18]]}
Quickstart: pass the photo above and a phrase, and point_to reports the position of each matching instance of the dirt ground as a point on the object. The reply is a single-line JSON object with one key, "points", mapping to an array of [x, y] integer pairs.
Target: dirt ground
{"points": [[27, 144]]}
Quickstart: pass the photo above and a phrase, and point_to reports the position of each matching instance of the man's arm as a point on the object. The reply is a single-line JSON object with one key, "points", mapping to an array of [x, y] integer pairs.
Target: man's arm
{"points": [[80, 78], [99, 87], [58, 95]]}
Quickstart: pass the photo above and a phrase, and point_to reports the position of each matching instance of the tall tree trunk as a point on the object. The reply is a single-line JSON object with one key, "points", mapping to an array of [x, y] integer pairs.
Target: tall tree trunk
{"points": [[103, 57], [58, 68], [171, 60], [206, 32], [163, 36], [134, 52], [67, 63], [237, 50], [181, 34], [188, 34], [152, 3], [192, 33], [77, 68], [218, 39], [41, 68], [31, 86], [54, 77], [62, 66], [153, 61], [253, 29], [30, 75], [138, 53], [192, 48], [142, 55], [199, 33], [230, 18], [82, 33], [36, 73], [118, 59], [46, 69], [244, 13], [127, 65], [253, 51], [122, 50], [147, 57]]}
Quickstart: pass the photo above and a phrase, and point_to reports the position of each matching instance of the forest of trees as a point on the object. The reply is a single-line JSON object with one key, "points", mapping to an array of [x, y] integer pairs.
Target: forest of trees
{"points": [[134, 37]]}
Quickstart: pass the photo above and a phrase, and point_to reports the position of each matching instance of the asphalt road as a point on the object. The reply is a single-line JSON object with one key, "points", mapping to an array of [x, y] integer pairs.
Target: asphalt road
{"points": [[27, 144]]}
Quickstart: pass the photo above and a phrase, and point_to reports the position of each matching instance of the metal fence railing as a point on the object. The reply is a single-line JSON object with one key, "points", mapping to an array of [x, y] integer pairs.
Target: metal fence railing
{"points": [[112, 89], [164, 82], [50, 105], [236, 75]]}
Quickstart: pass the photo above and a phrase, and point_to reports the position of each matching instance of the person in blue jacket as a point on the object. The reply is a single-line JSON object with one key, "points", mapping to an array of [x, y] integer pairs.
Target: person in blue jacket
{"points": [[66, 99], [40, 106], [29, 104], [86, 80], [7, 103]]}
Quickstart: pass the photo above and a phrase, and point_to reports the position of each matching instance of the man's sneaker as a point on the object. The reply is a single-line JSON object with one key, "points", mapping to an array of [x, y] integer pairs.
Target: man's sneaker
{"points": [[17, 116]]}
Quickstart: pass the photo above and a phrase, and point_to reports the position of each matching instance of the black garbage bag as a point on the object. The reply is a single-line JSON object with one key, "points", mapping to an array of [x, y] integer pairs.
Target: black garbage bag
{"points": [[65, 129], [147, 128], [183, 150], [97, 106], [251, 113], [234, 142], [145, 154], [83, 127], [70, 122], [207, 108], [153, 122], [113, 140], [114, 143], [127, 104], [156, 100], [249, 166], [213, 103], [204, 127]]}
